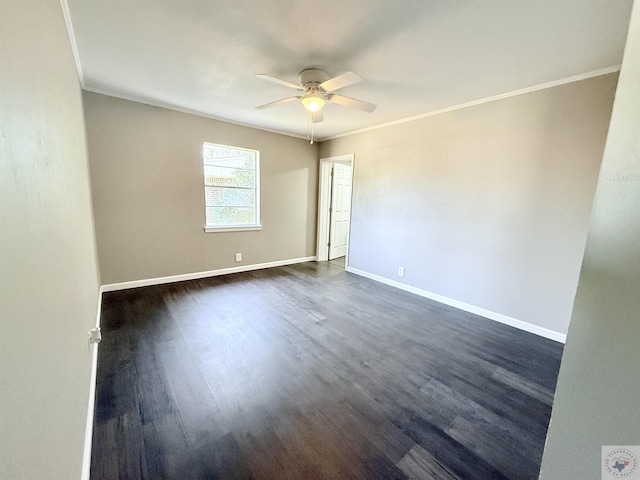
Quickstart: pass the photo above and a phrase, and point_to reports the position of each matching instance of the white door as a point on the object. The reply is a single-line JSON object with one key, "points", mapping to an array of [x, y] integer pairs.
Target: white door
{"points": [[340, 210]]}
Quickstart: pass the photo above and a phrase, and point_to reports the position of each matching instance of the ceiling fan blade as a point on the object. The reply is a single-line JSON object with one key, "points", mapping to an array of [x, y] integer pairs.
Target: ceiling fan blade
{"points": [[271, 78], [344, 80], [278, 102], [317, 117], [351, 102]]}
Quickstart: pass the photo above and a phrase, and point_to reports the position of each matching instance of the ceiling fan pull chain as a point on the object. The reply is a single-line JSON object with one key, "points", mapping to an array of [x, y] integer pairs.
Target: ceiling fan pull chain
{"points": [[312, 124]]}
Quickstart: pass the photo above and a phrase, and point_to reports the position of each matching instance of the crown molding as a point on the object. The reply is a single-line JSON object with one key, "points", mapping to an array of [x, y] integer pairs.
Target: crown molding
{"points": [[522, 91], [72, 40], [190, 112]]}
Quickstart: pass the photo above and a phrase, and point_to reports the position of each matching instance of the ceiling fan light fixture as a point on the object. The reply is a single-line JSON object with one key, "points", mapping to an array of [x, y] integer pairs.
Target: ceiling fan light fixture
{"points": [[313, 101]]}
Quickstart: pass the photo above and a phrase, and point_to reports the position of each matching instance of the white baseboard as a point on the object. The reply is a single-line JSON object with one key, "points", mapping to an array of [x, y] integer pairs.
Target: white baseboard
{"points": [[110, 287], [498, 317], [88, 436]]}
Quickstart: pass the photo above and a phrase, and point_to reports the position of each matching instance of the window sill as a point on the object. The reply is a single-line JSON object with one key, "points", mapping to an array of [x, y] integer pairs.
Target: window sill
{"points": [[232, 229]]}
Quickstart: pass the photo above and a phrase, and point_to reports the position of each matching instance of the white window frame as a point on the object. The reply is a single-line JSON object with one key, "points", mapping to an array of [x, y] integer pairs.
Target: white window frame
{"points": [[234, 228]]}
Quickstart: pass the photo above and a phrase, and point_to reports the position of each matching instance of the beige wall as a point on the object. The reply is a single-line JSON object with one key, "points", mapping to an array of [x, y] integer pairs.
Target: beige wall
{"points": [[487, 205], [146, 174], [598, 395], [48, 267]]}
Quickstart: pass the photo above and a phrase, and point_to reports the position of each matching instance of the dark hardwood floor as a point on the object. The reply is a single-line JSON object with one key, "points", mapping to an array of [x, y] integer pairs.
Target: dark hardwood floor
{"points": [[309, 372]]}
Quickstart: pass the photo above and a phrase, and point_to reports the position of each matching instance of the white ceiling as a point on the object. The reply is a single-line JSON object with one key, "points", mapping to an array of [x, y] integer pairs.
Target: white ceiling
{"points": [[414, 56]]}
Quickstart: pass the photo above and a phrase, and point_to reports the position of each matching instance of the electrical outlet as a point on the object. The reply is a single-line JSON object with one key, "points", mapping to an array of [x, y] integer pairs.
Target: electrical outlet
{"points": [[95, 335], [401, 271], [238, 257]]}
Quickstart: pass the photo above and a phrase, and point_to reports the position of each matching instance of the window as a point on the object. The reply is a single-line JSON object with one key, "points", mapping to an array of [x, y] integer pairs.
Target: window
{"points": [[231, 188]]}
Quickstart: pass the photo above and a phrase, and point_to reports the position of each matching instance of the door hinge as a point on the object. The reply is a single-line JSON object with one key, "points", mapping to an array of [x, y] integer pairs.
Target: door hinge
{"points": [[332, 172], [329, 244], [330, 210]]}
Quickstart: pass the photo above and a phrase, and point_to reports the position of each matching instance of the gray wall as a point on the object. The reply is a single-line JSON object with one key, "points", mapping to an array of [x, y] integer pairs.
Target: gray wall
{"points": [[48, 267], [487, 205], [146, 175], [598, 395]]}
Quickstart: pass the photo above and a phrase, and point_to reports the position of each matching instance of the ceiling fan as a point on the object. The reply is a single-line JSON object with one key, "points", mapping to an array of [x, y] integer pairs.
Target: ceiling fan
{"points": [[318, 89]]}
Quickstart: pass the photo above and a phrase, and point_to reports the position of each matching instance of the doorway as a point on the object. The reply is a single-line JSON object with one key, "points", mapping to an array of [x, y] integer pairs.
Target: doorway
{"points": [[334, 209]]}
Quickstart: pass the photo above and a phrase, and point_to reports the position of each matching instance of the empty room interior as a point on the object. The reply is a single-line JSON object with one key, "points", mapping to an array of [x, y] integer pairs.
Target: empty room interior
{"points": [[320, 240]]}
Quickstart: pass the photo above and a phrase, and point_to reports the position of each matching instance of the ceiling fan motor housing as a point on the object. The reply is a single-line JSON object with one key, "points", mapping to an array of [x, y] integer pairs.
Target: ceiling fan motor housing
{"points": [[312, 77], [318, 89]]}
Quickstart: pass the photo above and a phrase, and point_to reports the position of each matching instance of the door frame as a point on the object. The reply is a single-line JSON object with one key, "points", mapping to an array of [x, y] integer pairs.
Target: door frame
{"points": [[324, 202]]}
